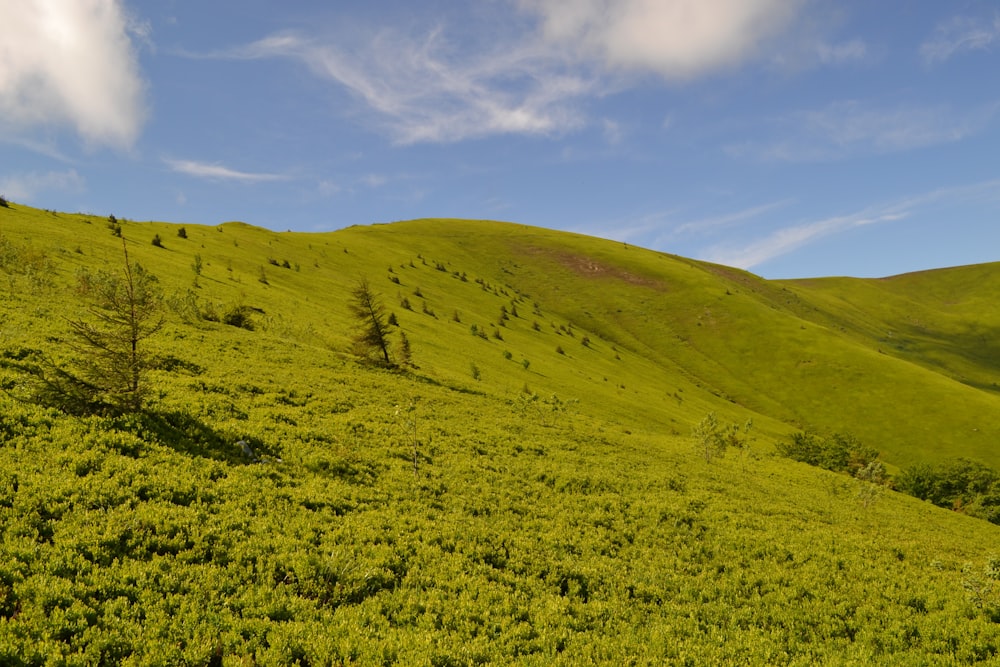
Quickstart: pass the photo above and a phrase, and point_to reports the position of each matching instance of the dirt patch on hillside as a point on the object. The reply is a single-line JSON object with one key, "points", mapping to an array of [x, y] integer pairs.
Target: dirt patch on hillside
{"points": [[591, 268]]}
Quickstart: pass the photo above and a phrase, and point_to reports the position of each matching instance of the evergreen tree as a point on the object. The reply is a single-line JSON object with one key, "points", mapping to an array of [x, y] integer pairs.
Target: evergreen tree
{"points": [[108, 375], [372, 339]]}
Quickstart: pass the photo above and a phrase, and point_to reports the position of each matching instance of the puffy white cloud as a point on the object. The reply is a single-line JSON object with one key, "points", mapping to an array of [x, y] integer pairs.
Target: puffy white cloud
{"points": [[679, 39], [70, 62]]}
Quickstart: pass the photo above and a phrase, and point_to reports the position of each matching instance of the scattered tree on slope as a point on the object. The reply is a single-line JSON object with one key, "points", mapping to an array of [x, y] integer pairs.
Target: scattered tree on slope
{"points": [[112, 360], [372, 339]]}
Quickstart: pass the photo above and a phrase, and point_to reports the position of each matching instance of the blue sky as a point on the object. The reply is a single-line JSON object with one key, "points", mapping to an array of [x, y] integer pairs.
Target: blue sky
{"points": [[790, 137]]}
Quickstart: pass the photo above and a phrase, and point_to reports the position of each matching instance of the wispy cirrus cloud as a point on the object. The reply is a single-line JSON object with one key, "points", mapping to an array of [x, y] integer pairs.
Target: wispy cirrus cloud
{"points": [[852, 51], [663, 228], [70, 62], [848, 128], [788, 239], [25, 187], [529, 72], [792, 237], [426, 91], [218, 172], [713, 224], [959, 34]]}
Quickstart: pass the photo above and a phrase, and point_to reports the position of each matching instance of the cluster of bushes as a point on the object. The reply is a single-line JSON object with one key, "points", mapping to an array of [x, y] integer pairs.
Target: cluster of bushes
{"points": [[959, 484], [840, 452], [191, 309]]}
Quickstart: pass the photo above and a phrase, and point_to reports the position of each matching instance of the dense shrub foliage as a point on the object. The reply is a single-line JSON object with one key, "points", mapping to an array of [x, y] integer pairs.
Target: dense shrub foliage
{"points": [[960, 484], [839, 452]]}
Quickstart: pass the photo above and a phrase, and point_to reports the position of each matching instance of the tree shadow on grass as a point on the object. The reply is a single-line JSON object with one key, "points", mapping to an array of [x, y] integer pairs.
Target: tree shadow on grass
{"points": [[186, 434]]}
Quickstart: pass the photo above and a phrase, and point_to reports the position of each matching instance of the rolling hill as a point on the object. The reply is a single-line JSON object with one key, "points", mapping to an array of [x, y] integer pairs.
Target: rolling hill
{"points": [[526, 492]]}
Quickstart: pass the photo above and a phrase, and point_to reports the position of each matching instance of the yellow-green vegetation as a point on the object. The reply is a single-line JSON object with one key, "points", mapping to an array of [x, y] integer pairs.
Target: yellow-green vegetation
{"points": [[527, 490]]}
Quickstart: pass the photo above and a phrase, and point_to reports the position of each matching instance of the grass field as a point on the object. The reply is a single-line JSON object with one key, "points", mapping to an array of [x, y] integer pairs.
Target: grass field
{"points": [[530, 495]]}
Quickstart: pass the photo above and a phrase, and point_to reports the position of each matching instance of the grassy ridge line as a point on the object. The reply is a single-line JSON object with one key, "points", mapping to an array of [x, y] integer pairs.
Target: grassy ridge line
{"points": [[308, 304], [758, 344], [677, 337], [944, 319]]}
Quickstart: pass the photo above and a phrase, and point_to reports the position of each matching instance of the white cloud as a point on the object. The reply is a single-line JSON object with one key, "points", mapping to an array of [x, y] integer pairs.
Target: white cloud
{"points": [[218, 172], [705, 225], [25, 187], [328, 188], [678, 39], [426, 91], [613, 131], [446, 87], [373, 180], [885, 130], [788, 239], [960, 34], [851, 127], [70, 62], [839, 54]]}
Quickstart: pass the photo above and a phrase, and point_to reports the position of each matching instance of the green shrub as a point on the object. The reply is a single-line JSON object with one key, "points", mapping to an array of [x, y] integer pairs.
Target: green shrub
{"points": [[840, 452], [157, 241], [239, 316], [712, 438], [960, 483]]}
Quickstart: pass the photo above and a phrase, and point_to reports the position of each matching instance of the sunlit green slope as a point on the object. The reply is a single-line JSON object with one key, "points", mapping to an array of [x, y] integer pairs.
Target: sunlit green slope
{"points": [[477, 509], [907, 364], [947, 320]]}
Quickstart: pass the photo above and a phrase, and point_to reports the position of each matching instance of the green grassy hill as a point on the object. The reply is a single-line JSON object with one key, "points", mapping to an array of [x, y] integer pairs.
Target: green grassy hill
{"points": [[529, 495]]}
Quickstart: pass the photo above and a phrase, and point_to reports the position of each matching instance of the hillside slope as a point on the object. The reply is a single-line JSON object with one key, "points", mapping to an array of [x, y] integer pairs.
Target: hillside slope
{"points": [[908, 364], [529, 496]]}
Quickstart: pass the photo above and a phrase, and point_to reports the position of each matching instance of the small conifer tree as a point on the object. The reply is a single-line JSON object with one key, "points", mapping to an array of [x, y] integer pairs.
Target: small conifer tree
{"points": [[372, 339], [110, 372], [405, 352]]}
